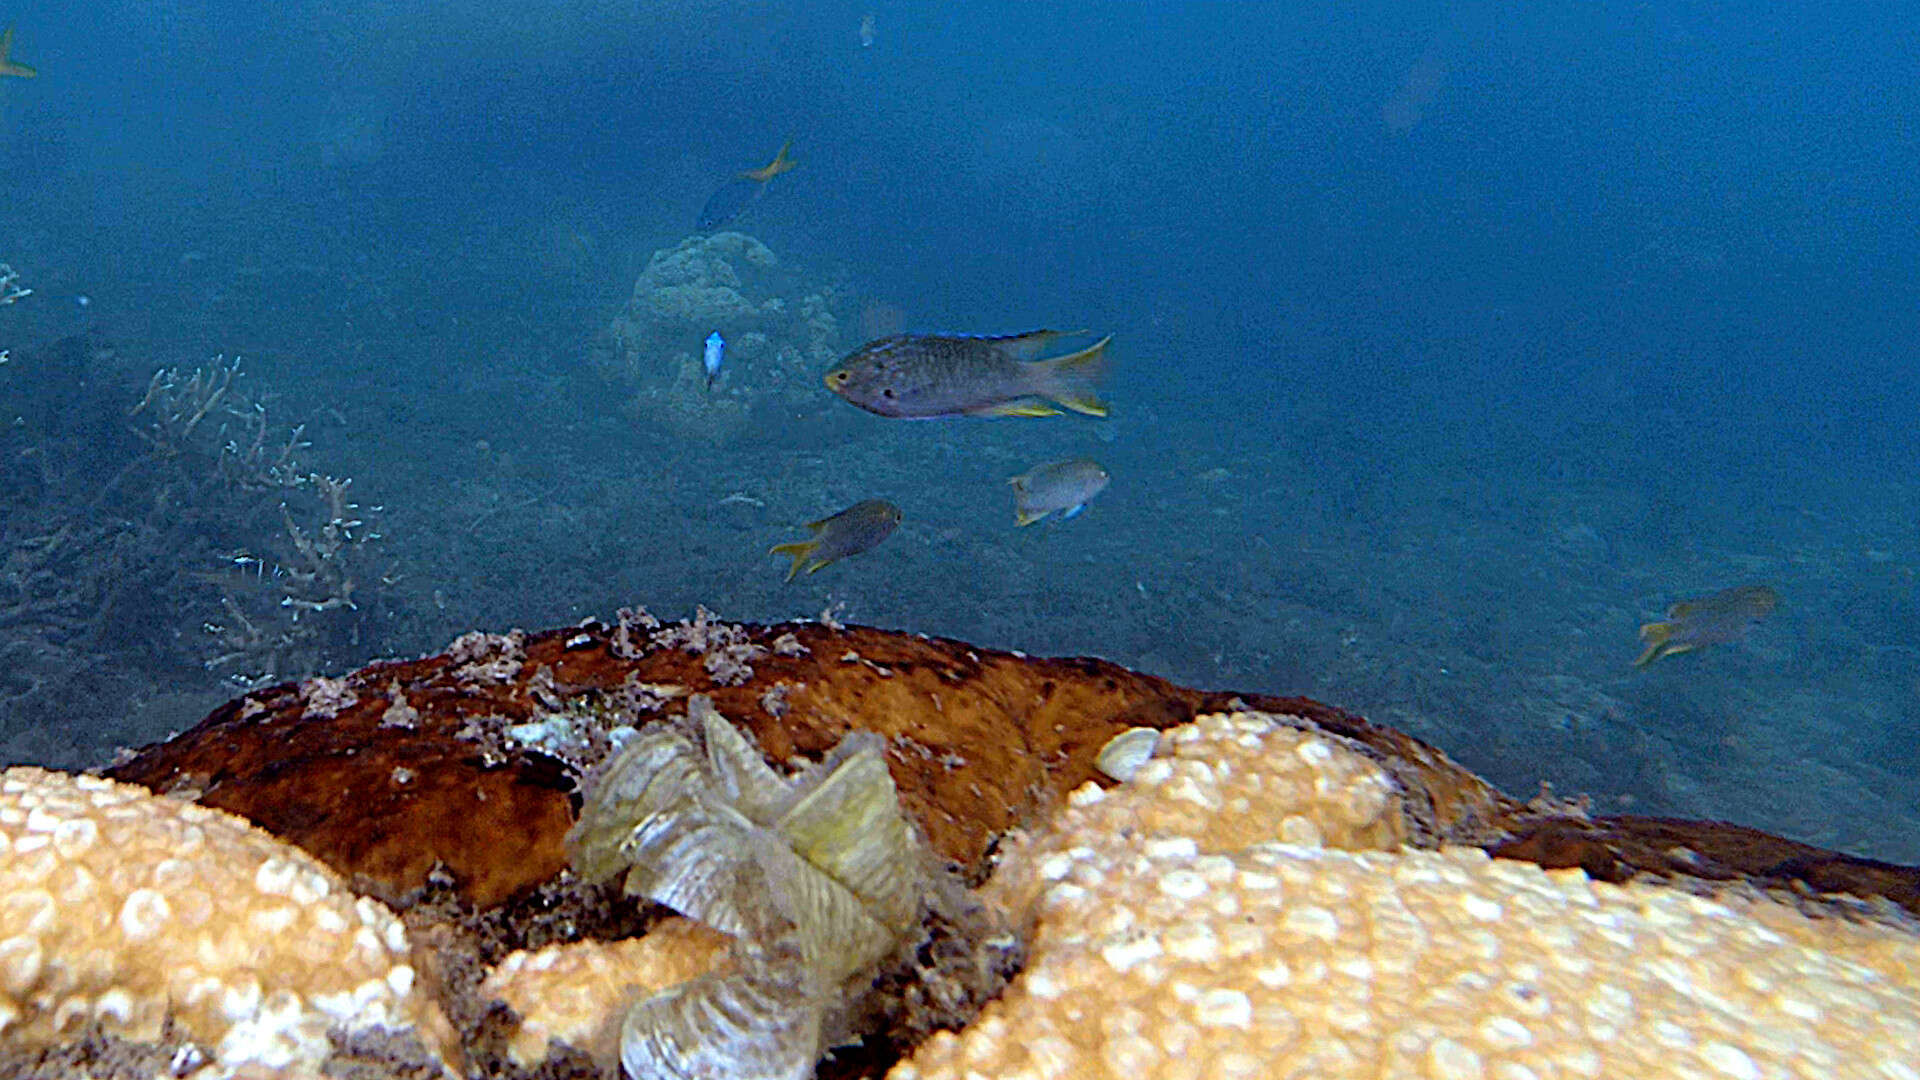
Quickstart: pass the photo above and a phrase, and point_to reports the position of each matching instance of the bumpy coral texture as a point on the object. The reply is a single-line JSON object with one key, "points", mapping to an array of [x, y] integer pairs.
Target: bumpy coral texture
{"points": [[577, 993], [1202, 924], [121, 907], [778, 332]]}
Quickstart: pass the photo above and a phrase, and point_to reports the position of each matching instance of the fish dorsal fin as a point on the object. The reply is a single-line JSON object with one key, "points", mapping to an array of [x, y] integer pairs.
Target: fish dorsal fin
{"points": [[780, 163], [1030, 344]]}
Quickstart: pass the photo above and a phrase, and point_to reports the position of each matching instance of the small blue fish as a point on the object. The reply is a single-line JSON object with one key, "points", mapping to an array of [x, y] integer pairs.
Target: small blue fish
{"points": [[716, 349]]}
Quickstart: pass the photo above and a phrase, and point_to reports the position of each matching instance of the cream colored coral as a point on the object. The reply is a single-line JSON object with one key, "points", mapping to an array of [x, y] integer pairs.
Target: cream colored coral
{"points": [[578, 993], [1188, 946], [122, 907]]}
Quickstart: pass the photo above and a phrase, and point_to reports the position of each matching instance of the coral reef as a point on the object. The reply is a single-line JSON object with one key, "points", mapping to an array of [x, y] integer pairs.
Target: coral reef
{"points": [[182, 527], [128, 914], [579, 994], [11, 290], [1244, 908], [780, 331], [1283, 889]]}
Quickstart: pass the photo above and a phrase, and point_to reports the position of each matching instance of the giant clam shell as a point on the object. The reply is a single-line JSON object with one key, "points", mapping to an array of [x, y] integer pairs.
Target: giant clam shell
{"points": [[1126, 752]]}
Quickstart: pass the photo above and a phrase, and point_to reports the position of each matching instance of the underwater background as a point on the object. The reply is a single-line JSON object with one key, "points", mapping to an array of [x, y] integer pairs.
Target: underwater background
{"points": [[1452, 343]]}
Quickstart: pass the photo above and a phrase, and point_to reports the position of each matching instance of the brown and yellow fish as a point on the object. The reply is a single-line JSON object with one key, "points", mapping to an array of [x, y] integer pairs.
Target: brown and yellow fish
{"points": [[1708, 620], [733, 198], [849, 532], [923, 376], [7, 66]]}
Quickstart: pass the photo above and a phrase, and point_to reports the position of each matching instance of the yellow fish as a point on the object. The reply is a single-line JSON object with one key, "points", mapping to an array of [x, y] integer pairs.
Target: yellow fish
{"points": [[736, 195], [1708, 620], [849, 532], [8, 67]]}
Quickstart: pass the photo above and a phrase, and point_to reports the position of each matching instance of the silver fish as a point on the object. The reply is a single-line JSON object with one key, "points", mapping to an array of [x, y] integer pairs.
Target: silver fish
{"points": [[1058, 487]]}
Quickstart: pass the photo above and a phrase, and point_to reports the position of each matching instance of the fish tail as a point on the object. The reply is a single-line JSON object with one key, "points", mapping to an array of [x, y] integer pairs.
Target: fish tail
{"points": [[7, 67], [1070, 379], [1656, 635], [780, 163], [802, 551]]}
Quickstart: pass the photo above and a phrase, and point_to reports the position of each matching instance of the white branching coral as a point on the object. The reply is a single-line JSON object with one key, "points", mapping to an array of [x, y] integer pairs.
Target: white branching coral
{"points": [[10, 288], [817, 879]]}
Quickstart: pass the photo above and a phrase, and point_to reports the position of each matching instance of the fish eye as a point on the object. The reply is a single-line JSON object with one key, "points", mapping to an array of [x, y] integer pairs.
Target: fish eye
{"points": [[887, 393]]}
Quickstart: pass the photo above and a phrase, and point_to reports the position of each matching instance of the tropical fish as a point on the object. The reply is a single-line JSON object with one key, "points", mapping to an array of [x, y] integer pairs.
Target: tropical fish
{"points": [[8, 67], [743, 191], [866, 30], [716, 348], [1708, 620], [1058, 487], [849, 532], [922, 376]]}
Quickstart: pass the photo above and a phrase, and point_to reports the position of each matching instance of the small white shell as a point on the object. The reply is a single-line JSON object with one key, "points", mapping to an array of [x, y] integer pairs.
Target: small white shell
{"points": [[1126, 752]]}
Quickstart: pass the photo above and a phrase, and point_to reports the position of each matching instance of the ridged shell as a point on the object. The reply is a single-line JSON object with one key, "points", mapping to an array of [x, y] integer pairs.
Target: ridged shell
{"points": [[1126, 752]]}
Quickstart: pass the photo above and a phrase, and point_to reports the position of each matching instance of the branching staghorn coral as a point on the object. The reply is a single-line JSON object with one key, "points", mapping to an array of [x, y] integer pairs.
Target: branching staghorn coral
{"points": [[818, 878], [177, 403], [320, 573], [10, 289], [166, 524], [206, 412]]}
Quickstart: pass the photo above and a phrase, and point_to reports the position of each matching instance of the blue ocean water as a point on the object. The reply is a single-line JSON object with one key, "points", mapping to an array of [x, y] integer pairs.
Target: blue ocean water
{"points": [[1452, 342]]}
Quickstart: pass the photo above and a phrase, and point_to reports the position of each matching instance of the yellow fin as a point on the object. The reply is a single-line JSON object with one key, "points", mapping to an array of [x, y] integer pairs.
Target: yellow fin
{"points": [[1655, 635], [802, 551], [780, 163], [1069, 379], [1017, 407], [1658, 636], [1024, 517], [1086, 406], [7, 67]]}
